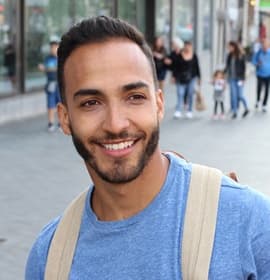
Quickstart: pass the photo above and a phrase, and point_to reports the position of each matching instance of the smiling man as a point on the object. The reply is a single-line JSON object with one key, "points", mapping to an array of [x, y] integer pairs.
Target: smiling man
{"points": [[132, 220]]}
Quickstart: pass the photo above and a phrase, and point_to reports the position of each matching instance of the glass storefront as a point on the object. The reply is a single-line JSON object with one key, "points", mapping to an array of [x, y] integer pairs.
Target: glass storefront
{"points": [[206, 31], [132, 11], [162, 20], [7, 47], [183, 19], [26, 28], [46, 19], [40, 20], [49, 18]]}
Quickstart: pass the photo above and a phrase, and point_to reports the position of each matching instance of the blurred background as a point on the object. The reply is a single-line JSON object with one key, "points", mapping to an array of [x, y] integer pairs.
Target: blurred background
{"points": [[26, 26], [40, 172]]}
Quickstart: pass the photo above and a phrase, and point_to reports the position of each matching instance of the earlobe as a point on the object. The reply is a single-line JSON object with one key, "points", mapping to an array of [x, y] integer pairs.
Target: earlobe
{"points": [[160, 104], [63, 118]]}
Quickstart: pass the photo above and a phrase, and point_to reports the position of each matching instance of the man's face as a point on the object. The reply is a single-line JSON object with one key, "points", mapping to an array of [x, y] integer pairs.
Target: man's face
{"points": [[112, 109]]}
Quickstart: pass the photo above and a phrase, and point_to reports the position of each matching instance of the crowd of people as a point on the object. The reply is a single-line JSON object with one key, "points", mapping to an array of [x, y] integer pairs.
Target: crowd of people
{"points": [[183, 63], [184, 66]]}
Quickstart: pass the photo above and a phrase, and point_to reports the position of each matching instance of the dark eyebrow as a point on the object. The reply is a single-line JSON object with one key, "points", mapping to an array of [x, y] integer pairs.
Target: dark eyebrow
{"points": [[95, 92], [86, 92], [136, 85]]}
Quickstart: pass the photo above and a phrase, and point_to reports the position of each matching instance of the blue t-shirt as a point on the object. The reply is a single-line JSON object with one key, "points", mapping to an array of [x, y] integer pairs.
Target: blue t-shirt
{"points": [[50, 64], [148, 245]]}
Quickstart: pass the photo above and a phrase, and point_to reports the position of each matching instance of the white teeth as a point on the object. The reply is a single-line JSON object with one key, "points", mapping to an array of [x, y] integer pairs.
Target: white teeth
{"points": [[119, 146]]}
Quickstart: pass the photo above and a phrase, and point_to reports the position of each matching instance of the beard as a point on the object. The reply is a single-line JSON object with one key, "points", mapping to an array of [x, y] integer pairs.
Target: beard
{"points": [[121, 170]]}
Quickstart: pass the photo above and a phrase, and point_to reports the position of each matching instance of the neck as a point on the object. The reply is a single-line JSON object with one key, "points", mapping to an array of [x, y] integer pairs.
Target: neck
{"points": [[112, 202]]}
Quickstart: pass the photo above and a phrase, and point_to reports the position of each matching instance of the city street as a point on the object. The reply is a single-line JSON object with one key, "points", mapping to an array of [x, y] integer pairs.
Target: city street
{"points": [[41, 172]]}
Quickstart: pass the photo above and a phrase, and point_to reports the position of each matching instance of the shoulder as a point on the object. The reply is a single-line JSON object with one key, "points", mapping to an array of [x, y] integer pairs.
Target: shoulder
{"points": [[38, 255], [251, 207], [179, 171], [245, 211], [247, 195], [234, 195], [48, 57], [195, 56]]}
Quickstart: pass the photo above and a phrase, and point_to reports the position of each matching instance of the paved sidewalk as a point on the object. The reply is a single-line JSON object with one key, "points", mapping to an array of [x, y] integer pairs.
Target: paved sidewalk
{"points": [[41, 172]]}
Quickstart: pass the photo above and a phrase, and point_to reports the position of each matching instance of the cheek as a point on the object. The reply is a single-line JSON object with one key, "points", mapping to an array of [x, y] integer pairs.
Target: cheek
{"points": [[82, 126]]}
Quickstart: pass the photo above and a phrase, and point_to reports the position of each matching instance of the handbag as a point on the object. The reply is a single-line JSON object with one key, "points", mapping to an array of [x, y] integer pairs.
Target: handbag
{"points": [[199, 101]]}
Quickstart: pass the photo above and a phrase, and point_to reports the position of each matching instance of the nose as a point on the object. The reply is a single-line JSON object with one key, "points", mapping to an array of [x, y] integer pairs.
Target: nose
{"points": [[116, 119]]}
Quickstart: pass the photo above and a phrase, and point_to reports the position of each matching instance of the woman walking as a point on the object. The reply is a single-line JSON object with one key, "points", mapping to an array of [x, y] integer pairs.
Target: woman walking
{"points": [[185, 70], [235, 69]]}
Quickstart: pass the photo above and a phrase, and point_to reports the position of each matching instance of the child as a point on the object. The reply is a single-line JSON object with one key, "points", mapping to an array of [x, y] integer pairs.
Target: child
{"points": [[52, 92], [219, 84]]}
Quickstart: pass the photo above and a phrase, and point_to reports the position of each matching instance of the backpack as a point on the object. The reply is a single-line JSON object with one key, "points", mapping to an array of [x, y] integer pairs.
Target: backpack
{"points": [[198, 233]]}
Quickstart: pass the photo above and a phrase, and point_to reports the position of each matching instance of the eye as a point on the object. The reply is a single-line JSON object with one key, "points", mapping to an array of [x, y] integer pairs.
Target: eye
{"points": [[136, 98], [89, 103]]}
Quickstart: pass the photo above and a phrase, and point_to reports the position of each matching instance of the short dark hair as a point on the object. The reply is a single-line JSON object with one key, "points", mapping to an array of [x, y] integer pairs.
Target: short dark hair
{"points": [[98, 29], [52, 43], [188, 43]]}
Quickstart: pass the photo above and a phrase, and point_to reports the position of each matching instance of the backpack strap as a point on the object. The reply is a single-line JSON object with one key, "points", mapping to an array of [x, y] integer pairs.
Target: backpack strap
{"points": [[200, 222], [198, 236], [63, 245]]}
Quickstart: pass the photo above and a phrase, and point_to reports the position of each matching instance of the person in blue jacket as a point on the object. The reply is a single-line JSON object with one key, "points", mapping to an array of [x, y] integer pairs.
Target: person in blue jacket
{"points": [[133, 216], [261, 59], [49, 67]]}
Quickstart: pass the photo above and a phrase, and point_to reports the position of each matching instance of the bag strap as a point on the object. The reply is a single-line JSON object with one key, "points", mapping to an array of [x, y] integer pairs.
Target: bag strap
{"points": [[63, 245], [200, 222], [198, 236]]}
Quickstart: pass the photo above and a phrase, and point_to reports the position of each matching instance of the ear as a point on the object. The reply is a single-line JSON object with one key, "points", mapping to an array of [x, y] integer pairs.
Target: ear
{"points": [[63, 118], [160, 104]]}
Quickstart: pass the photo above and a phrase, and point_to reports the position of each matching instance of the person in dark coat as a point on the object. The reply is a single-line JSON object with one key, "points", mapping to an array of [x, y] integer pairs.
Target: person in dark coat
{"points": [[235, 70], [184, 65]]}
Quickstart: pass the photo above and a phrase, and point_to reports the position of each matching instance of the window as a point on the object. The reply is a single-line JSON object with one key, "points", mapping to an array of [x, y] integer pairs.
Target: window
{"points": [[7, 47]]}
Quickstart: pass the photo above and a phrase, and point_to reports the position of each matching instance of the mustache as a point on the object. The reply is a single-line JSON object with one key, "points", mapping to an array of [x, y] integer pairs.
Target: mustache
{"points": [[108, 136]]}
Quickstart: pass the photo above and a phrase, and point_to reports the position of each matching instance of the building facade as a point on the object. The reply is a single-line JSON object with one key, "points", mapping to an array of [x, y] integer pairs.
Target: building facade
{"points": [[26, 27]]}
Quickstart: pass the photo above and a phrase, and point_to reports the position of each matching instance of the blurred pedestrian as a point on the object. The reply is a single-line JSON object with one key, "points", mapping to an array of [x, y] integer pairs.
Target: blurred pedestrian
{"points": [[159, 54], [51, 88], [10, 63], [219, 84], [261, 59], [235, 69], [186, 72]]}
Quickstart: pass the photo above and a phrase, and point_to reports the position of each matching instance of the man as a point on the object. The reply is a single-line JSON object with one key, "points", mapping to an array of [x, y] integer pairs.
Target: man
{"points": [[261, 59], [132, 223], [51, 88]]}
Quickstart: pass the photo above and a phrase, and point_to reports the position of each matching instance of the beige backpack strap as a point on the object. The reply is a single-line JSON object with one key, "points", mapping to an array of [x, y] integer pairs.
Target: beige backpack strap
{"points": [[200, 222], [62, 248]]}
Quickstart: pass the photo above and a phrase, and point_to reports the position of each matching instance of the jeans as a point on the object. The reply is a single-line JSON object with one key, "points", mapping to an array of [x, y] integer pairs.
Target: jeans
{"points": [[237, 94], [181, 89]]}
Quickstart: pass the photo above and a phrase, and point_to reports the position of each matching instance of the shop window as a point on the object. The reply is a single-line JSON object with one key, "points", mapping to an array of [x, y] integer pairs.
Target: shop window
{"points": [[7, 47], [133, 12], [49, 18], [162, 21], [183, 20]]}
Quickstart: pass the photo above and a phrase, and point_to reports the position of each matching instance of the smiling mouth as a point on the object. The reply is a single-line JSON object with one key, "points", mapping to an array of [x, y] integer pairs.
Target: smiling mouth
{"points": [[118, 146]]}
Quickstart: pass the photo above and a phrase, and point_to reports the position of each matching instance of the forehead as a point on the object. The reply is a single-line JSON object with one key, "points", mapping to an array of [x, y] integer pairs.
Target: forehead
{"points": [[112, 61], [109, 49]]}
